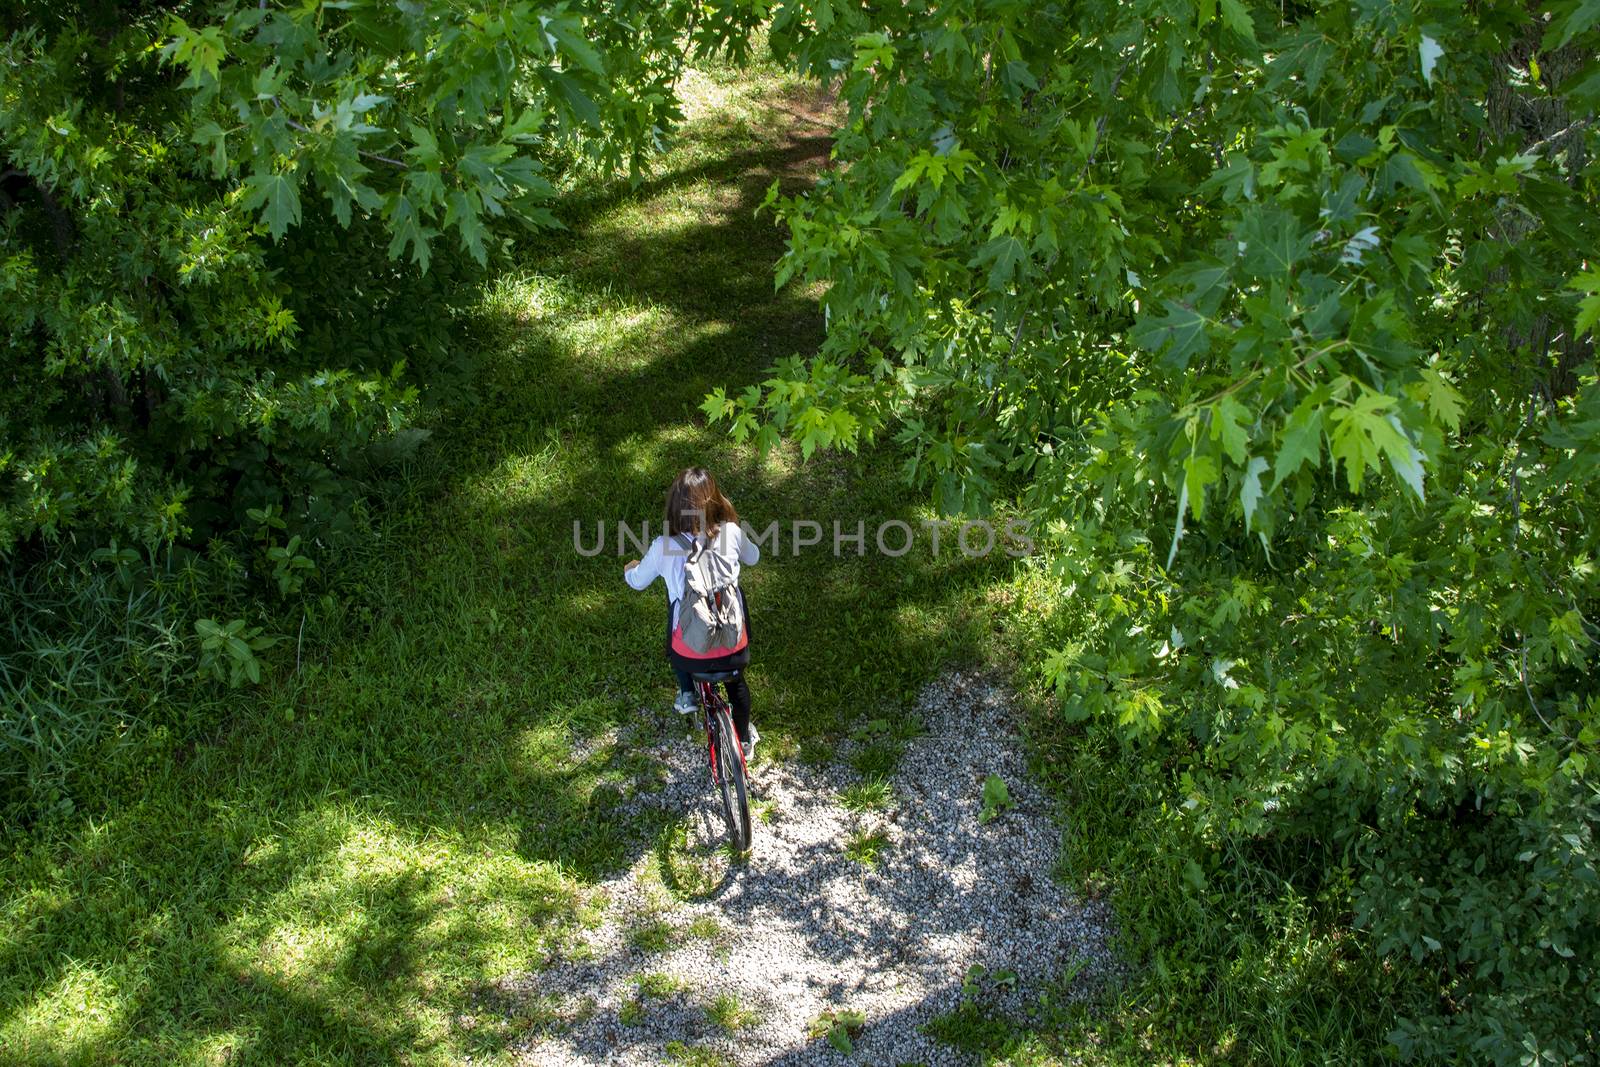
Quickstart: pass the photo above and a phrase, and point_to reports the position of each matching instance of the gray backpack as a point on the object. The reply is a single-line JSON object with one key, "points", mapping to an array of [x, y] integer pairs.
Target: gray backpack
{"points": [[712, 613]]}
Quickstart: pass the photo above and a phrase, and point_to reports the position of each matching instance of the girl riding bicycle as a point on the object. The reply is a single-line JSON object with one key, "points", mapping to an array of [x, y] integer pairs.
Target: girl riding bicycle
{"points": [[697, 512]]}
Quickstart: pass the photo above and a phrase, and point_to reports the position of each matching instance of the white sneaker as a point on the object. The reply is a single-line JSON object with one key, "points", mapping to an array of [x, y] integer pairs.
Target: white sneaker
{"points": [[750, 745], [686, 704]]}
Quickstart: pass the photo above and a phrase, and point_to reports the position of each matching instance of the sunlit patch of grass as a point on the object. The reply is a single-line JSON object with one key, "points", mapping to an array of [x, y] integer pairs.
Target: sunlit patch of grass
{"points": [[657, 985], [694, 1055], [705, 928], [729, 1015], [703, 95], [67, 1020], [399, 923], [865, 846], [653, 935], [874, 794]]}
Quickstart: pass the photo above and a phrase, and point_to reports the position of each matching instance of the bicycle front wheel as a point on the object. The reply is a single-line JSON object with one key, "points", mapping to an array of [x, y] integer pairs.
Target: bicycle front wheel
{"points": [[731, 781]]}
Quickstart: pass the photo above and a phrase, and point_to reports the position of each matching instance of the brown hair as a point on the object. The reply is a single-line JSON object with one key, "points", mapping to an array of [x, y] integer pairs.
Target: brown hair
{"points": [[696, 506]]}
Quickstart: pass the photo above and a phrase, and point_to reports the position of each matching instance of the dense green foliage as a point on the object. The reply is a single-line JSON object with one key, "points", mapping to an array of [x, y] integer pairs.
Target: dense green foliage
{"points": [[196, 197], [1279, 316]]}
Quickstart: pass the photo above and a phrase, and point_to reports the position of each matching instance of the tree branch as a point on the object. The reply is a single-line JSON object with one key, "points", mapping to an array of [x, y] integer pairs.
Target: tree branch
{"points": [[1572, 128], [360, 151], [293, 125], [1111, 96]]}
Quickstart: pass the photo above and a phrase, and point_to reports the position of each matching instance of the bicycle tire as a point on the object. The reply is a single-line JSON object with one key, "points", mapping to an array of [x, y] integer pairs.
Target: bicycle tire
{"points": [[731, 781]]}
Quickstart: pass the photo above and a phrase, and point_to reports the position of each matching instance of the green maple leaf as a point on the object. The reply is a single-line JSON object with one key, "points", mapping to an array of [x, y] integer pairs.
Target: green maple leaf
{"points": [[1181, 330], [1007, 254], [1440, 397], [1199, 471], [1236, 17], [1250, 489], [406, 228], [1353, 435], [1273, 242], [1579, 18], [1402, 455], [716, 404], [279, 198], [1588, 314], [1302, 443], [1226, 427], [202, 51], [1236, 178], [567, 30], [209, 133], [1589, 307], [462, 211], [873, 48], [582, 104]]}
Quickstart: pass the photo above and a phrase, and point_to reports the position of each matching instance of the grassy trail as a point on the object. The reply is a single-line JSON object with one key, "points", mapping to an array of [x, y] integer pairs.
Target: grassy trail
{"points": [[357, 850]]}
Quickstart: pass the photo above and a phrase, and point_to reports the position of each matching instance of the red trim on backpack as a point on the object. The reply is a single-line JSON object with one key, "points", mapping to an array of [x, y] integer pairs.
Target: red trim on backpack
{"points": [[683, 650]]}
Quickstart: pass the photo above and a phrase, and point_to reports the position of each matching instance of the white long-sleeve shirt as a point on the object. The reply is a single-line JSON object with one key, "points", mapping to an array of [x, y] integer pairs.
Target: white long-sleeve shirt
{"points": [[667, 556]]}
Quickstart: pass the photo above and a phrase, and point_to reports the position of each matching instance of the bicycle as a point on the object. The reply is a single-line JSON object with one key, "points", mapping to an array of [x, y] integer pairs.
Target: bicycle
{"points": [[728, 773]]}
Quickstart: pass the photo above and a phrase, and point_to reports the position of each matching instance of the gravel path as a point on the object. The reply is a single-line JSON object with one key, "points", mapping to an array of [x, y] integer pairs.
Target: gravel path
{"points": [[804, 929]]}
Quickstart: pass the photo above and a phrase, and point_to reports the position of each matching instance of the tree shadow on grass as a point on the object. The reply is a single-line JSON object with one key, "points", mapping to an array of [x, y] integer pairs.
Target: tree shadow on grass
{"points": [[683, 308], [404, 818]]}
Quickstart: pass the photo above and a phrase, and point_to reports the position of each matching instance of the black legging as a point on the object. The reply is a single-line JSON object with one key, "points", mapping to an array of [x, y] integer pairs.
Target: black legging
{"points": [[738, 689]]}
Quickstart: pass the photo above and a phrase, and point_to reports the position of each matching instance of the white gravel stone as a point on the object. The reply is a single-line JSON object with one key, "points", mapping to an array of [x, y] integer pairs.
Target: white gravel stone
{"points": [[805, 930]]}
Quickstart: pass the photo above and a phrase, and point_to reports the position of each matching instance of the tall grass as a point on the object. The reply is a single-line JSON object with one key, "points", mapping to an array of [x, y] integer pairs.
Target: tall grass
{"points": [[86, 657]]}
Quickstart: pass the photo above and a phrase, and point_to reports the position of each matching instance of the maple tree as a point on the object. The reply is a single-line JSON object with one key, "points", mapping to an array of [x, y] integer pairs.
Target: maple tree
{"points": [[1280, 319]]}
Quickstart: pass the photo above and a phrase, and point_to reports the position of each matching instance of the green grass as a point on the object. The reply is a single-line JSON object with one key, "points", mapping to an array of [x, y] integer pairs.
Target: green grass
{"points": [[694, 1055], [971, 1028], [706, 928], [874, 794], [864, 846], [657, 985], [654, 935], [340, 865], [729, 1015]]}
